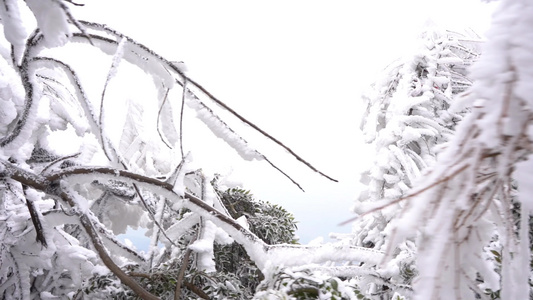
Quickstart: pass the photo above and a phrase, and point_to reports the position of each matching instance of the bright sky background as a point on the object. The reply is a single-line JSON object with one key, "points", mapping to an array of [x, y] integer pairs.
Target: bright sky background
{"points": [[295, 69]]}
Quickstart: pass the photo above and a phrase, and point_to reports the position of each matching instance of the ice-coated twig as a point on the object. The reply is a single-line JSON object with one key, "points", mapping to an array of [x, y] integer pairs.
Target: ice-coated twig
{"points": [[152, 216], [244, 120], [45, 169], [183, 93], [222, 130], [159, 120], [117, 57]]}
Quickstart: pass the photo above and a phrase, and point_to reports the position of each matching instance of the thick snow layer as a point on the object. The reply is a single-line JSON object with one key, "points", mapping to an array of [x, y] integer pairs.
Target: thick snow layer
{"points": [[204, 247], [243, 222], [14, 29], [182, 226], [294, 255]]}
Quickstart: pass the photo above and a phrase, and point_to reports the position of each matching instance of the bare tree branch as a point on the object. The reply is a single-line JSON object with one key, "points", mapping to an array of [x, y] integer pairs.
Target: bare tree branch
{"points": [[181, 115], [35, 219], [181, 274]]}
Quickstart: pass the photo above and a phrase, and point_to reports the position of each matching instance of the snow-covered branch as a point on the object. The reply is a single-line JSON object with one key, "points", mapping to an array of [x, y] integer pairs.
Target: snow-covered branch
{"points": [[54, 189], [261, 253]]}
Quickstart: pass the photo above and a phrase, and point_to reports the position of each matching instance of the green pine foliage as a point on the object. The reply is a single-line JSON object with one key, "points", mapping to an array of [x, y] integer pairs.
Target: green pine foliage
{"points": [[236, 276], [270, 222]]}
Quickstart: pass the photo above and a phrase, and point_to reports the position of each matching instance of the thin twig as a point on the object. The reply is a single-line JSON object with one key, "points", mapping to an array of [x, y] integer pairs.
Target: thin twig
{"points": [[284, 174], [244, 120], [181, 274], [58, 160], [112, 70], [159, 118], [183, 93], [74, 3], [444, 179], [152, 215]]}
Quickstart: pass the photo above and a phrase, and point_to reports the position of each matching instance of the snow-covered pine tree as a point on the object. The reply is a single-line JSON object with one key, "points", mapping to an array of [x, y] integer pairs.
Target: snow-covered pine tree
{"points": [[406, 120], [462, 211]]}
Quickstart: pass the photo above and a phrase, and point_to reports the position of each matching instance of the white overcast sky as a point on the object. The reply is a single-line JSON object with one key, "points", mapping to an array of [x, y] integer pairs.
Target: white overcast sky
{"points": [[294, 68]]}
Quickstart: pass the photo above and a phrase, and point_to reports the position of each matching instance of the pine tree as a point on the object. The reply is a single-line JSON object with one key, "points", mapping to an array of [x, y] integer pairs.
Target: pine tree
{"points": [[408, 118], [461, 212]]}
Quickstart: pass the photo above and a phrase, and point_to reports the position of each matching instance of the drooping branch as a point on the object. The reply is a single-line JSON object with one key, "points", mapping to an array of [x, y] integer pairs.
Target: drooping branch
{"points": [[71, 18], [102, 42], [156, 186], [183, 93], [151, 214], [80, 93], [264, 133], [214, 122]]}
